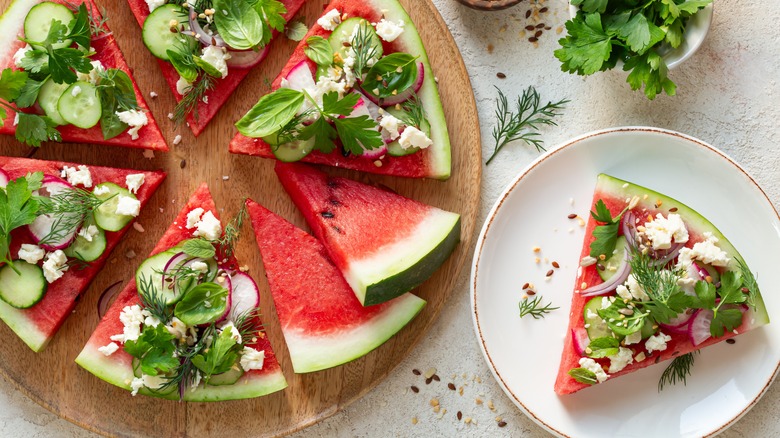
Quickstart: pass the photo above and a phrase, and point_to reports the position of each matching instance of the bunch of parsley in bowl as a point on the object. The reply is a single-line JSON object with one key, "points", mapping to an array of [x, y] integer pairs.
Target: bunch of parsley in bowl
{"points": [[645, 37]]}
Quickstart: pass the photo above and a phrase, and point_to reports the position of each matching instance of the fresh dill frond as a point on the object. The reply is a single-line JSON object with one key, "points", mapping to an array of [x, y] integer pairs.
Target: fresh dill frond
{"points": [[248, 323], [534, 307], [187, 374], [189, 102], [71, 208], [658, 281], [97, 25], [291, 129], [152, 300], [362, 44], [524, 122], [414, 112], [678, 370], [232, 233], [749, 282]]}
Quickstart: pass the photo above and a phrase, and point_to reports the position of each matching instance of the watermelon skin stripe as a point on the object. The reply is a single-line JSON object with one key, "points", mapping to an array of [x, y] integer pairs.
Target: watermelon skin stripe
{"points": [[117, 368], [224, 87], [434, 162], [37, 325], [108, 53]]}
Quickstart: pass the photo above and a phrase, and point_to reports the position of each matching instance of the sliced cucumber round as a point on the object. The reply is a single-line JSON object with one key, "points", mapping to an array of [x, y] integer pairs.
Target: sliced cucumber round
{"points": [[612, 263], [595, 326], [229, 377], [106, 216], [85, 250], [49, 97], [80, 105], [151, 271], [291, 151], [25, 288], [394, 148], [157, 33], [343, 34], [39, 20]]}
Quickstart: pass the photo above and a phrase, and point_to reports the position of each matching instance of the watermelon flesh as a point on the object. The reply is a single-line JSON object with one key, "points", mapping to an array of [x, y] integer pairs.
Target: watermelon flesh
{"points": [[224, 88], [384, 244], [323, 323], [108, 53], [37, 325], [614, 192], [433, 162], [117, 368]]}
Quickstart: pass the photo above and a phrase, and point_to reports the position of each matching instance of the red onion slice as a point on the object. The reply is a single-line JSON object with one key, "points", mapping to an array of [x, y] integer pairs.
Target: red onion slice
{"points": [[106, 298], [628, 226], [699, 328], [621, 274], [246, 58], [580, 339], [200, 34], [680, 323]]}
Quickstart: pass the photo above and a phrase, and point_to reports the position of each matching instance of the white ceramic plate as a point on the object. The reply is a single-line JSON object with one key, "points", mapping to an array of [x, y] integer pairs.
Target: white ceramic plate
{"points": [[524, 355]]}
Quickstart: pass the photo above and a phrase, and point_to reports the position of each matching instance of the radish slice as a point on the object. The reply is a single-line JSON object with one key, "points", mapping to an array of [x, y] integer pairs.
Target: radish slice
{"points": [[300, 77], [404, 95], [42, 226], [699, 328], [228, 284], [623, 270], [4, 178], [200, 34], [246, 58], [170, 267], [245, 296], [680, 323], [579, 337]]}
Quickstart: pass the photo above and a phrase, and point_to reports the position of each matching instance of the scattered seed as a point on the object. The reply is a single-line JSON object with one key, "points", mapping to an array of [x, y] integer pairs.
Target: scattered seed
{"points": [[536, 249], [745, 290], [547, 28], [601, 267], [434, 402], [673, 209], [459, 415], [530, 27], [500, 75], [543, 10], [436, 377], [527, 13], [537, 260], [327, 215], [467, 420], [460, 390], [550, 273], [531, 293], [501, 423], [572, 216], [416, 372], [428, 380], [538, 33], [451, 386], [138, 227], [478, 401], [540, 25], [182, 164], [490, 405], [526, 286], [556, 265], [414, 420], [731, 341], [584, 285], [533, 39]]}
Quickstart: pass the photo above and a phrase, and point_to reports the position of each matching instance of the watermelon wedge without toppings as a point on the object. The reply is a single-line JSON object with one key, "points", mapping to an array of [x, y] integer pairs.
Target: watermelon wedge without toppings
{"points": [[384, 244], [433, 162], [117, 368], [37, 325], [106, 51], [323, 323], [687, 332], [224, 88]]}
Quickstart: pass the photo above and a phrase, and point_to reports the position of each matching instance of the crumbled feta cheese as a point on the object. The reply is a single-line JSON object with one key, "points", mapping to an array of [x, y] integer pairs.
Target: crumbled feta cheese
{"points": [[199, 266], [252, 359], [31, 254], [80, 176], [152, 321], [20, 54], [136, 385], [131, 317], [390, 126], [591, 314], [623, 292], [389, 31], [605, 302], [177, 328], [208, 227], [94, 75], [128, 206], [55, 266], [88, 233], [414, 138], [16, 119], [183, 87], [592, 366], [234, 333], [152, 94], [636, 289], [101, 190], [657, 342], [193, 217], [109, 349], [217, 57], [154, 4], [661, 231], [134, 182], [622, 359], [707, 252], [75, 91], [135, 119], [177, 140], [330, 20], [633, 338]]}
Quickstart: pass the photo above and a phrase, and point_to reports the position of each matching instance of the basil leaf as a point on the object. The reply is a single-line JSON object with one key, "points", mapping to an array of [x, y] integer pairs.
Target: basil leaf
{"points": [[202, 304], [603, 347], [296, 30], [239, 23], [219, 357], [200, 248], [621, 324], [185, 65], [583, 375], [318, 49], [391, 75], [271, 113], [116, 93]]}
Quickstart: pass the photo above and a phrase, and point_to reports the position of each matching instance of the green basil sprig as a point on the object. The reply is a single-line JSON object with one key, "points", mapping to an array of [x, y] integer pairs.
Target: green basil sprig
{"points": [[271, 113], [391, 75], [202, 304], [318, 49]]}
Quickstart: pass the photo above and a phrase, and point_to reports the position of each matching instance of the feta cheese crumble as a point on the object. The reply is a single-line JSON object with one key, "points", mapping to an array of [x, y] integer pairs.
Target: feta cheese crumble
{"points": [[88, 233], [592, 366], [134, 182], [390, 126], [636, 289], [55, 266], [31, 254], [389, 31], [154, 4], [136, 385], [199, 266], [77, 176], [414, 138], [109, 349], [622, 359], [217, 57], [661, 231], [182, 87], [128, 206], [135, 119], [330, 20], [706, 251], [252, 359], [101, 190], [131, 317], [94, 75], [208, 226], [193, 217], [657, 342], [20, 54], [75, 91]]}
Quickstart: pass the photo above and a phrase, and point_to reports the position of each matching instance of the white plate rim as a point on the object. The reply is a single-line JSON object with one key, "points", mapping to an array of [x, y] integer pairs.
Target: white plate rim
{"points": [[562, 148]]}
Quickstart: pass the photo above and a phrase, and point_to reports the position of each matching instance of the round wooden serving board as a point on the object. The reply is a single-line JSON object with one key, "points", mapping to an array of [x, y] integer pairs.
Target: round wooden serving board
{"points": [[52, 379]]}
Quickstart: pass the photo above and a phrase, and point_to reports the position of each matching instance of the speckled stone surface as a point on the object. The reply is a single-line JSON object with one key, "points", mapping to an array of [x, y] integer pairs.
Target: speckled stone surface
{"points": [[728, 95]]}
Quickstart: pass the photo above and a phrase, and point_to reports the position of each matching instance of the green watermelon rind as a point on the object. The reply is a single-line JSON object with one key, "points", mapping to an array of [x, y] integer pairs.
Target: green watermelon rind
{"points": [[27, 331], [318, 352], [407, 263], [9, 22], [606, 183], [119, 374]]}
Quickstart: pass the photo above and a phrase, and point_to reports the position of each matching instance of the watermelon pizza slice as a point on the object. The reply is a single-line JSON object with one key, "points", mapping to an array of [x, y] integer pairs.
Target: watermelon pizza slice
{"points": [[383, 243], [187, 327], [206, 48], [359, 93], [59, 222], [64, 79], [657, 281], [323, 323]]}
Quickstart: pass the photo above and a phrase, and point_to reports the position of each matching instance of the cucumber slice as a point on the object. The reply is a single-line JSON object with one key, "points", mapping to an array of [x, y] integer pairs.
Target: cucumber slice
{"points": [[49, 97], [595, 326], [105, 215], [85, 250], [343, 34], [394, 149], [80, 105], [136, 364], [228, 377], [292, 151], [39, 19], [157, 34], [24, 289], [151, 270], [612, 263]]}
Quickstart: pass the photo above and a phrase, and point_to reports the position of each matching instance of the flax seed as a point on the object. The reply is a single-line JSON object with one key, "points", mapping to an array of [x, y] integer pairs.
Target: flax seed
{"points": [[501, 423], [451, 386], [415, 389], [572, 216], [556, 265], [527, 13], [533, 39], [731, 341], [526, 286], [530, 27], [459, 415], [550, 273], [540, 25], [416, 372], [543, 10], [531, 293], [428, 380], [500, 75], [436, 377]]}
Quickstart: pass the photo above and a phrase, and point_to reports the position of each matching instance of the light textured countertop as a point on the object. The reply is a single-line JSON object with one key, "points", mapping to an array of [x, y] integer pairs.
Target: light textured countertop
{"points": [[728, 95]]}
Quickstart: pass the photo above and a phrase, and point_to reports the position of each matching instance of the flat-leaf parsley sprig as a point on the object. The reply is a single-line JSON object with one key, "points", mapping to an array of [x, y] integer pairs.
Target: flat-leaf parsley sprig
{"points": [[524, 122]]}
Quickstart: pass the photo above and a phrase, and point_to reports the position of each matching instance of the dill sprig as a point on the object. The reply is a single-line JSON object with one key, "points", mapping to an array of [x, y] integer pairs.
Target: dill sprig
{"points": [[658, 281], [290, 131], [189, 102], [677, 371], [186, 375], [534, 307], [363, 45], [248, 323], [414, 112], [232, 233], [748, 281], [152, 300], [71, 207], [525, 121], [97, 25]]}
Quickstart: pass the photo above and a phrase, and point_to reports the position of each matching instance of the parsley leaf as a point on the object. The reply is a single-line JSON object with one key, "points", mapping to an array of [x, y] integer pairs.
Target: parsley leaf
{"points": [[57, 32], [219, 357], [29, 93], [62, 61], [358, 134], [272, 14], [323, 133], [333, 106], [587, 47], [80, 31], [116, 93], [606, 235], [11, 83], [34, 129], [35, 61], [17, 209], [154, 350]]}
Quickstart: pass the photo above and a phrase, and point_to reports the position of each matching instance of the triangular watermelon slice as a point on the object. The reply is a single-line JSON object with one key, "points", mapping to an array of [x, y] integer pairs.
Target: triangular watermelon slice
{"points": [[322, 321], [37, 325], [107, 52], [670, 269], [433, 162], [218, 96], [384, 244], [117, 367]]}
